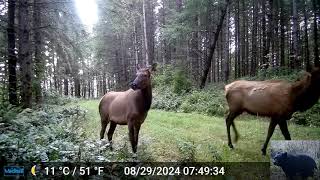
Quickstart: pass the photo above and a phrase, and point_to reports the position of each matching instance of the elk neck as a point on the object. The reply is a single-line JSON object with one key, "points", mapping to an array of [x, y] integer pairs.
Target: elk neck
{"points": [[147, 97], [307, 98]]}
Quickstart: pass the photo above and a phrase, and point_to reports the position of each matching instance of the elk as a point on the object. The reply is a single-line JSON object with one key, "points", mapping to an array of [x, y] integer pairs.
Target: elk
{"points": [[277, 99], [128, 107]]}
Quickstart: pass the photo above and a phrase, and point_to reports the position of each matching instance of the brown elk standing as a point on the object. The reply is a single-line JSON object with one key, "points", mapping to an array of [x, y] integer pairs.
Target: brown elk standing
{"points": [[276, 99], [128, 107]]}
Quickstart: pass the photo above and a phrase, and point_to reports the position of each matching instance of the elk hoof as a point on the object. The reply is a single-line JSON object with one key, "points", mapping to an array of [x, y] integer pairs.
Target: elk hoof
{"points": [[230, 145]]}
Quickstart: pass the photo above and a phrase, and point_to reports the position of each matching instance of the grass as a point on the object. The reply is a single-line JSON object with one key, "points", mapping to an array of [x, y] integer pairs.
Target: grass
{"points": [[170, 136]]}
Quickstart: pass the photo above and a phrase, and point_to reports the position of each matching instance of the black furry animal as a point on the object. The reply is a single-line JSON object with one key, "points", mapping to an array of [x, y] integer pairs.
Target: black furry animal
{"points": [[295, 165]]}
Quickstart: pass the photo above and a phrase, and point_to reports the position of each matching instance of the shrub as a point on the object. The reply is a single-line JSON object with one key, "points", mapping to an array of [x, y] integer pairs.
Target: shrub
{"points": [[54, 98], [174, 79], [216, 155], [311, 117], [181, 83], [164, 77], [166, 100], [48, 134], [187, 151], [210, 102], [8, 111]]}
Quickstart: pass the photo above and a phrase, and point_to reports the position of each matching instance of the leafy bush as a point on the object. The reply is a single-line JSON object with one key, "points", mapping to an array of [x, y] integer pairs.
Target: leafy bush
{"points": [[8, 111], [275, 73], [166, 100], [174, 79], [173, 91], [216, 155], [181, 83], [164, 77], [54, 98], [311, 117], [210, 102], [49, 134], [187, 151]]}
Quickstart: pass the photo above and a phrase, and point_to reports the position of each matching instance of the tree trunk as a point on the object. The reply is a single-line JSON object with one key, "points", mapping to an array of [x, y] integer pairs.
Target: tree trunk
{"points": [[254, 39], [264, 34], [39, 64], [208, 60], [148, 31], [25, 54], [282, 34], [306, 46], [77, 86], [12, 59], [295, 33], [66, 86], [315, 34], [237, 40], [193, 53], [226, 50]]}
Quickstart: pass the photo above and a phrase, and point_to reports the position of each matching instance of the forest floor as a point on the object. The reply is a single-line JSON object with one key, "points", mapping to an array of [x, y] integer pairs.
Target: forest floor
{"points": [[171, 136]]}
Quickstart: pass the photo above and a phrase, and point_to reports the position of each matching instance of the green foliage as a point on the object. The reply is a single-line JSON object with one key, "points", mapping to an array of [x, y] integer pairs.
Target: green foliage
{"points": [[48, 134], [311, 117], [187, 151], [167, 100], [181, 83], [275, 73], [164, 77], [54, 98], [210, 102], [216, 155], [8, 111], [170, 87], [174, 79]]}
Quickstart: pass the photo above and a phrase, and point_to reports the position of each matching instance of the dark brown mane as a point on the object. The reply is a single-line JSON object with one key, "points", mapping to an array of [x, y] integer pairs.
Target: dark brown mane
{"points": [[147, 94]]}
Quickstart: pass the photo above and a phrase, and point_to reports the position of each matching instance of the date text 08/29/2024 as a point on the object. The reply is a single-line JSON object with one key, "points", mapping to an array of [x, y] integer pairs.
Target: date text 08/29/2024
{"points": [[142, 171]]}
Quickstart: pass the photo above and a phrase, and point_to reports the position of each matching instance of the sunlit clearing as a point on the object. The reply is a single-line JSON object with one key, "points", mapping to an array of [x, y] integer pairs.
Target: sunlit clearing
{"points": [[87, 11]]}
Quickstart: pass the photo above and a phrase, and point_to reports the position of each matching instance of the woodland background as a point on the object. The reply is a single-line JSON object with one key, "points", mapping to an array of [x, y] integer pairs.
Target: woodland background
{"points": [[52, 67], [45, 47]]}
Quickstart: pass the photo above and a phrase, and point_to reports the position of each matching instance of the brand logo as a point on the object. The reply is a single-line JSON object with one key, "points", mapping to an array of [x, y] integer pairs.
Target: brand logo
{"points": [[13, 171]]}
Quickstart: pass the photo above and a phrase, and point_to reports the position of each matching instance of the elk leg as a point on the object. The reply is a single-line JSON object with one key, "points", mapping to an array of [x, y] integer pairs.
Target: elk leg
{"points": [[110, 132], [104, 123], [272, 125], [229, 121], [136, 137], [284, 129], [131, 136], [235, 132]]}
